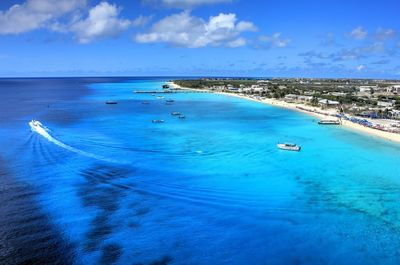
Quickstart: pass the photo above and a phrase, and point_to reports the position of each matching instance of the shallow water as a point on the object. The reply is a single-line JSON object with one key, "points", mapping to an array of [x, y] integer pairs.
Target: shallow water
{"points": [[209, 189]]}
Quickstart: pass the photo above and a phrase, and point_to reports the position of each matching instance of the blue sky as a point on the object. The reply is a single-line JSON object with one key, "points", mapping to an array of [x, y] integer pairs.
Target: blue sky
{"points": [[296, 38]]}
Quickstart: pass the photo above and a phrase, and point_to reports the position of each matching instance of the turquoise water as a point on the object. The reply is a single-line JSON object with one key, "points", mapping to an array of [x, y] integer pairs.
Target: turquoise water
{"points": [[210, 189]]}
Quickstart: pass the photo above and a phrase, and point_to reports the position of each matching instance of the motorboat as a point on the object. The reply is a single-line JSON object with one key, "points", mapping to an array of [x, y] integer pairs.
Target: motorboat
{"points": [[289, 147], [36, 125], [157, 121], [175, 113], [329, 122]]}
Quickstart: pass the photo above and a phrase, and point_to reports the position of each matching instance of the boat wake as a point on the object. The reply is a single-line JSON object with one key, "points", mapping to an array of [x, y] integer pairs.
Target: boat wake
{"points": [[39, 128]]}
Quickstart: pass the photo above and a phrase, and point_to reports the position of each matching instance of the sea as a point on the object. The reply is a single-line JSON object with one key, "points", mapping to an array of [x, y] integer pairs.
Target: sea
{"points": [[106, 185]]}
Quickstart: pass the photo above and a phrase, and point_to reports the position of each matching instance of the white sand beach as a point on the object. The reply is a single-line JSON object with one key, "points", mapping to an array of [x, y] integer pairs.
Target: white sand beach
{"points": [[393, 137]]}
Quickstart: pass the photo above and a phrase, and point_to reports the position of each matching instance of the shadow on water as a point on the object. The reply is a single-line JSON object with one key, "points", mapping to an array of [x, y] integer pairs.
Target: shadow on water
{"points": [[26, 233], [97, 195], [101, 193]]}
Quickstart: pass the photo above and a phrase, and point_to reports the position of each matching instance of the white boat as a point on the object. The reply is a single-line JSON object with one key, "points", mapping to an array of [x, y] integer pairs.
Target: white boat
{"points": [[175, 113], [289, 147], [37, 126], [329, 122], [157, 121]]}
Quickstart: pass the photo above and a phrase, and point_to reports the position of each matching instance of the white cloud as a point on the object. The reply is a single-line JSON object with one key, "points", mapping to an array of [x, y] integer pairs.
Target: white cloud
{"points": [[187, 3], [141, 21], [361, 52], [237, 43], [275, 40], [361, 67], [383, 34], [35, 14], [185, 30], [358, 33], [102, 22]]}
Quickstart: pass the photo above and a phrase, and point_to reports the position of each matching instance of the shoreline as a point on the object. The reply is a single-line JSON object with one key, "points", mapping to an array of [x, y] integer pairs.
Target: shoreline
{"points": [[389, 136]]}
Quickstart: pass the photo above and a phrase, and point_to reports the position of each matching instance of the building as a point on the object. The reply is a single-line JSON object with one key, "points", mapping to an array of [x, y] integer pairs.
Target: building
{"points": [[327, 102], [394, 89], [385, 104], [305, 98], [291, 97], [396, 114], [367, 89]]}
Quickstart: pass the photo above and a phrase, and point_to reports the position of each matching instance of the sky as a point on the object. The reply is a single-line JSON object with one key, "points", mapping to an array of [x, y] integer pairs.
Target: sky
{"points": [[238, 38]]}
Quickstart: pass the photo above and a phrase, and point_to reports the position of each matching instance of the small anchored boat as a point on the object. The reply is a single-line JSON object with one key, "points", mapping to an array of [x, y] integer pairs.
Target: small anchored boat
{"points": [[157, 121], [289, 147], [145, 103], [182, 117], [329, 122], [175, 113], [111, 102]]}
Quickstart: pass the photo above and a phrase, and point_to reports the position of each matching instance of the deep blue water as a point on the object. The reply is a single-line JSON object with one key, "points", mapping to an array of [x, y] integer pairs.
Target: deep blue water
{"points": [[210, 189]]}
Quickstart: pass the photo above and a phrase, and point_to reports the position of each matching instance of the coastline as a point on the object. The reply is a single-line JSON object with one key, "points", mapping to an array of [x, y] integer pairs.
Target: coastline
{"points": [[391, 137]]}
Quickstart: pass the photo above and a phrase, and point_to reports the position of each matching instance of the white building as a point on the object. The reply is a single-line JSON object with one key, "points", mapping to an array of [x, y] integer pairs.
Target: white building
{"points": [[394, 89], [291, 96], [305, 98], [367, 89], [385, 104], [328, 102]]}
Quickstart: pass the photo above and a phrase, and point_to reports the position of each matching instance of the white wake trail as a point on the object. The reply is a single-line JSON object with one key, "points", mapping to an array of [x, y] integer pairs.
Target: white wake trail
{"points": [[39, 128]]}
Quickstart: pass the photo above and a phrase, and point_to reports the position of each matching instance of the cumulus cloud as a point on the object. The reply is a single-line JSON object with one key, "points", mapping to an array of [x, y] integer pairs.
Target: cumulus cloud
{"points": [[275, 40], [349, 54], [185, 30], [35, 14], [141, 21], [384, 34], [103, 21], [361, 52], [186, 4], [237, 43], [358, 33]]}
